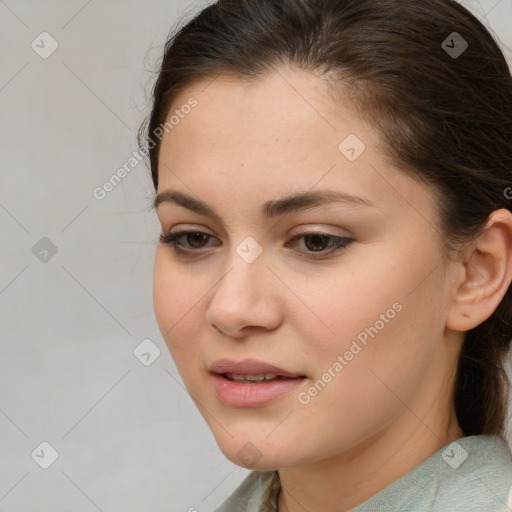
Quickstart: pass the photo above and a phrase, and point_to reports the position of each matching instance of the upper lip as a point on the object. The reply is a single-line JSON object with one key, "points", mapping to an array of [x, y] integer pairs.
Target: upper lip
{"points": [[249, 367]]}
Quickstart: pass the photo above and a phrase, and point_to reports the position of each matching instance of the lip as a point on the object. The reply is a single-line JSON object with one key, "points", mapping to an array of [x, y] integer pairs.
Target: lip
{"points": [[247, 394], [249, 367]]}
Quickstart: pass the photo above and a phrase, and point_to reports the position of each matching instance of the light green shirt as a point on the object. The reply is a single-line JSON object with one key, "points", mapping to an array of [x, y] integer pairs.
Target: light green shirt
{"points": [[472, 474]]}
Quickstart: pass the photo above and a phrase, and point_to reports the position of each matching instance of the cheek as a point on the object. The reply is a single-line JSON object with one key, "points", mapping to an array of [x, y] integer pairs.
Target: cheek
{"points": [[176, 301], [384, 317], [346, 302], [164, 293], [382, 346]]}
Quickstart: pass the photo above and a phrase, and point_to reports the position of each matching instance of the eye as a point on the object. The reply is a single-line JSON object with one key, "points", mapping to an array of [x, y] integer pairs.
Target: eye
{"points": [[315, 239], [173, 239]]}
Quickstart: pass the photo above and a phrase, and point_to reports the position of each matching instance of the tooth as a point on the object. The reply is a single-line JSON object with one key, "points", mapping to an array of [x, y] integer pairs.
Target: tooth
{"points": [[234, 377], [260, 376], [252, 378]]}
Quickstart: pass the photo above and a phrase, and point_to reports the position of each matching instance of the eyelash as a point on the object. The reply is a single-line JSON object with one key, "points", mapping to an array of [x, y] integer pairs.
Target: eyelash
{"points": [[172, 239]]}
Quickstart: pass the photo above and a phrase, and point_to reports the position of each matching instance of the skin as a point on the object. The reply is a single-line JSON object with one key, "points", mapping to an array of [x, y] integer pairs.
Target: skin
{"points": [[390, 407]]}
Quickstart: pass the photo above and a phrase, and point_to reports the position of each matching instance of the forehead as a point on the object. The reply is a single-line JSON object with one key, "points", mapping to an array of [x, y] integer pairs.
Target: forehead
{"points": [[284, 120], [288, 107]]}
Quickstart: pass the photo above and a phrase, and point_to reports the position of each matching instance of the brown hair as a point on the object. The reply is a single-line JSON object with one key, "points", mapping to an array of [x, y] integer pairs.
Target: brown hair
{"points": [[445, 119]]}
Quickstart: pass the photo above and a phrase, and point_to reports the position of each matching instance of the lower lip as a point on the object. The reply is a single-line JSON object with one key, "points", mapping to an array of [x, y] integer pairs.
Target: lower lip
{"points": [[241, 394]]}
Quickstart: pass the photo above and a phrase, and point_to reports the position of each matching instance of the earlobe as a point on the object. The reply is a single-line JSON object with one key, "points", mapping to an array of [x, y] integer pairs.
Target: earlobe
{"points": [[486, 273]]}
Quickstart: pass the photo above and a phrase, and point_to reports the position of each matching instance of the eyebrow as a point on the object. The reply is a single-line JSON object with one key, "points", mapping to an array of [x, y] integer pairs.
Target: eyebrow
{"points": [[272, 208]]}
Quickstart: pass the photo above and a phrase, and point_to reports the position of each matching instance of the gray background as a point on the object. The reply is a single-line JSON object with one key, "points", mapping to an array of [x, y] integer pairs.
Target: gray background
{"points": [[128, 436]]}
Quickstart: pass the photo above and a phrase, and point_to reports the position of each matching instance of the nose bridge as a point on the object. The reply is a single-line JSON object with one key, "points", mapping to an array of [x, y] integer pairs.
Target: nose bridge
{"points": [[241, 296], [245, 269]]}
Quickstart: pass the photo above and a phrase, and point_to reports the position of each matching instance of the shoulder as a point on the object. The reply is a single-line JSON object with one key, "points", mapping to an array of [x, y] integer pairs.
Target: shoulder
{"points": [[472, 474], [251, 494], [483, 479]]}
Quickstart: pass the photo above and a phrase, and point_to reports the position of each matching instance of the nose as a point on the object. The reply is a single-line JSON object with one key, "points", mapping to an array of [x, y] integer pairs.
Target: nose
{"points": [[245, 298]]}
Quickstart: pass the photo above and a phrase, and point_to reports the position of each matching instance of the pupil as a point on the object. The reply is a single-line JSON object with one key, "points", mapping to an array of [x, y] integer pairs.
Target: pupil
{"points": [[196, 235], [315, 237]]}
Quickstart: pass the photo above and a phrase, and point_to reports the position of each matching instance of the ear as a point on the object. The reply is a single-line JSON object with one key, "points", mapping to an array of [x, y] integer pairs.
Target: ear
{"points": [[485, 274]]}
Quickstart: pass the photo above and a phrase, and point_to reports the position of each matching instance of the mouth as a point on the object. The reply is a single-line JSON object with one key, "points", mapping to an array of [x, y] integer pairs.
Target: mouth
{"points": [[254, 389], [256, 378], [252, 383], [251, 370]]}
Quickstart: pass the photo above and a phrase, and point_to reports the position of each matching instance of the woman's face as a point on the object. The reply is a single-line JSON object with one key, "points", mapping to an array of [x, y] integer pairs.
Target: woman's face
{"points": [[364, 323]]}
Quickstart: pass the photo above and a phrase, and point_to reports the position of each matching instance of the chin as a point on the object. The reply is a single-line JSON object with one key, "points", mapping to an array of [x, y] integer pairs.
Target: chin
{"points": [[258, 466], [248, 456]]}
